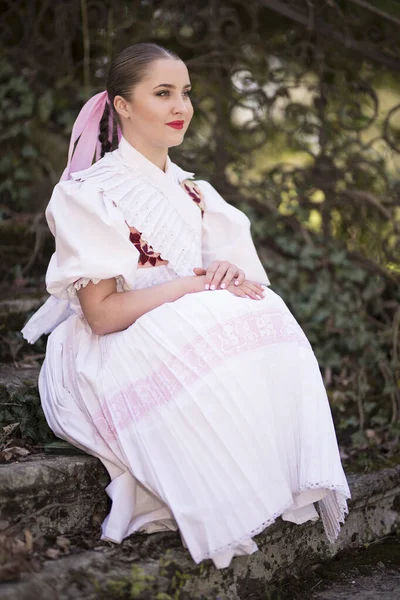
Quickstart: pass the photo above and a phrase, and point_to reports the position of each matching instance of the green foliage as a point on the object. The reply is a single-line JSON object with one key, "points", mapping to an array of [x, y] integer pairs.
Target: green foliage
{"points": [[34, 124], [20, 403], [16, 108], [330, 235], [131, 587]]}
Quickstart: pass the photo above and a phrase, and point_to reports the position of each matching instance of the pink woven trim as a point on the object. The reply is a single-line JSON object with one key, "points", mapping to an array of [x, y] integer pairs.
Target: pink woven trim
{"points": [[237, 336]]}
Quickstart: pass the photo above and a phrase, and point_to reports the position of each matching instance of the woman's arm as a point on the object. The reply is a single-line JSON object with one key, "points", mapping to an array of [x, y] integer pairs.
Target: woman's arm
{"points": [[107, 310]]}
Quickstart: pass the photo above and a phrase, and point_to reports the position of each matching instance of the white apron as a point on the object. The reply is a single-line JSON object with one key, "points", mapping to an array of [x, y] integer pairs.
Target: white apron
{"points": [[210, 412]]}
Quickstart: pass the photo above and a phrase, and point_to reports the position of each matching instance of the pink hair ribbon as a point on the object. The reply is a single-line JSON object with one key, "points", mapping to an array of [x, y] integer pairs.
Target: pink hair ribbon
{"points": [[84, 145]]}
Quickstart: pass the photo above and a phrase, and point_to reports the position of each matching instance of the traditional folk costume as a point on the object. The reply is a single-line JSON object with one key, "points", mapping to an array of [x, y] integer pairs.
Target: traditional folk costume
{"points": [[209, 412]]}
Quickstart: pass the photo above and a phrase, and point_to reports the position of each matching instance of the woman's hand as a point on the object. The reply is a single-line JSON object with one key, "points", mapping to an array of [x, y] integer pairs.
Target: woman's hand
{"points": [[220, 273], [247, 289]]}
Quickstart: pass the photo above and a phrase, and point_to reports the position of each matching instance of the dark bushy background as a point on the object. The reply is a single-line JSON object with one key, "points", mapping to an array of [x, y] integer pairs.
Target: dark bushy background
{"points": [[295, 123]]}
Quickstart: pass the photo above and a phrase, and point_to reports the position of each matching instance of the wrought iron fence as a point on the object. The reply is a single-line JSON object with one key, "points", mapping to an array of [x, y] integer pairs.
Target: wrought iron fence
{"points": [[297, 121], [297, 107]]}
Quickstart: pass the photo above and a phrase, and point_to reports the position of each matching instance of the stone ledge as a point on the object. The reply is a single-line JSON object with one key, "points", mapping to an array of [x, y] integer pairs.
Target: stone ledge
{"points": [[56, 495], [284, 548]]}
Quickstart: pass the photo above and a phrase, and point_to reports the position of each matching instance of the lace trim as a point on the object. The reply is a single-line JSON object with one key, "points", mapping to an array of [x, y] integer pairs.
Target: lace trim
{"points": [[83, 281], [331, 527], [145, 207]]}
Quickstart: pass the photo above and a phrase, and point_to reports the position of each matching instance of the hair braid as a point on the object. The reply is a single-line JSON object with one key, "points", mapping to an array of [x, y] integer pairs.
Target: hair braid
{"points": [[106, 145], [114, 129]]}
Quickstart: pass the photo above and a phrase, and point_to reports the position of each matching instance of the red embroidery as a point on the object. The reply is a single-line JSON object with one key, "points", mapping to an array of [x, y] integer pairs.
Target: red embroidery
{"points": [[191, 188], [146, 252]]}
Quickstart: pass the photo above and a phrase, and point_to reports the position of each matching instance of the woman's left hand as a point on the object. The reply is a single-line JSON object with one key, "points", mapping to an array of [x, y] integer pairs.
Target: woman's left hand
{"points": [[220, 273]]}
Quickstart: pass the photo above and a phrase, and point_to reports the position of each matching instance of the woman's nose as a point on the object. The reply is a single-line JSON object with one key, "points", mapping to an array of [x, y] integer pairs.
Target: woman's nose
{"points": [[180, 106]]}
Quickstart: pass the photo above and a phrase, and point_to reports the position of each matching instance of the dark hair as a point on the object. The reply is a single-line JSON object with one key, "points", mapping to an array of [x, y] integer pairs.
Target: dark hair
{"points": [[125, 72]]}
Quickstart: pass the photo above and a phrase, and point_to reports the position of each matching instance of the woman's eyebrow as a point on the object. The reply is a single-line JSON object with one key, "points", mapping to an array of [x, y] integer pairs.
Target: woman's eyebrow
{"points": [[169, 85]]}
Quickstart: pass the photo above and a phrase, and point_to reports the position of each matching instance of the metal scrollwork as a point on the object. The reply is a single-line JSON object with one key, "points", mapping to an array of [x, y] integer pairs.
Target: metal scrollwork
{"points": [[296, 101]]}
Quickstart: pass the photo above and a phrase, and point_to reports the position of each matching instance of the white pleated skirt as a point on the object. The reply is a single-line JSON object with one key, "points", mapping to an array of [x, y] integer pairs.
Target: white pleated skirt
{"points": [[210, 415]]}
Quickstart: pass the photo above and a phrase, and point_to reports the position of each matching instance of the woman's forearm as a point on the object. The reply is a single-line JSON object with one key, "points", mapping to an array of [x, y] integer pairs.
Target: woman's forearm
{"points": [[120, 309]]}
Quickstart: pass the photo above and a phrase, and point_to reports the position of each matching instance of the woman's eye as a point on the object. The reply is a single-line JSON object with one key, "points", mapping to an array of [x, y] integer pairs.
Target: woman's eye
{"points": [[187, 93]]}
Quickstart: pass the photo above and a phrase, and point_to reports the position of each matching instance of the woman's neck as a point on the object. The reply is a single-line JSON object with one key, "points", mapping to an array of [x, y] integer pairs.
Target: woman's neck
{"points": [[158, 156]]}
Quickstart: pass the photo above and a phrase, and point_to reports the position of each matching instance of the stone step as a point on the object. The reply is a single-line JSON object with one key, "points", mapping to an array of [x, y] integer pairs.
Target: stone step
{"points": [[64, 495], [56, 495]]}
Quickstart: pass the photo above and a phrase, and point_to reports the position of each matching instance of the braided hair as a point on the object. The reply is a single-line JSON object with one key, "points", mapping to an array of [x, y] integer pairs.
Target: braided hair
{"points": [[106, 145]]}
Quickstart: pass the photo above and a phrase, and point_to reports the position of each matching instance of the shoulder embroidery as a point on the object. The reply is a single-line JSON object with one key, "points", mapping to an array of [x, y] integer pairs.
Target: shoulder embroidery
{"points": [[191, 188], [146, 252]]}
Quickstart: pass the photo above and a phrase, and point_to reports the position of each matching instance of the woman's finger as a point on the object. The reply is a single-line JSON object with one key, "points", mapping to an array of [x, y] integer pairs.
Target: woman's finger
{"points": [[258, 286], [211, 269], [237, 291], [240, 277], [252, 291], [219, 274], [230, 274]]}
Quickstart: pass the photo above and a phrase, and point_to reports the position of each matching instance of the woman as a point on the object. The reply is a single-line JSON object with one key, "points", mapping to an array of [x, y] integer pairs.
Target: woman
{"points": [[170, 358]]}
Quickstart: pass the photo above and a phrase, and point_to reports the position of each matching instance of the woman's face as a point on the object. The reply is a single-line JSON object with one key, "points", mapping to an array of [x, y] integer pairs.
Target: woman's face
{"points": [[162, 97]]}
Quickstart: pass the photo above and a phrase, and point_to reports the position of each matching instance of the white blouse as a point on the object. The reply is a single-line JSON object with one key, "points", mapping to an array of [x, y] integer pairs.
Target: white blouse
{"points": [[90, 216]]}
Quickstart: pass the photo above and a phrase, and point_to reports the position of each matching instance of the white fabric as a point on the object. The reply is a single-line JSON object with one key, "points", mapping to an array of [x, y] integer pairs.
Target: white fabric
{"points": [[226, 232], [209, 413], [125, 187], [152, 203]]}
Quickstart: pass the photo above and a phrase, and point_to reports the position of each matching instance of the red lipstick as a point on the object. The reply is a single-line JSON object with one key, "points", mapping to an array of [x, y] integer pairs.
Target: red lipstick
{"points": [[176, 124]]}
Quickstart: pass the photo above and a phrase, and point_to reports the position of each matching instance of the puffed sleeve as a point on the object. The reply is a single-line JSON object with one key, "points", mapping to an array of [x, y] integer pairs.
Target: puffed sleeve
{"points": [[92, 243], [226, 235], [91, 238]]}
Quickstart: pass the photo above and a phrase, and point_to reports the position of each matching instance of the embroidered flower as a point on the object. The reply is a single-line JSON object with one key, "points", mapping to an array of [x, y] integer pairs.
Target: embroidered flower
{"points": [[146, 252], [191, 188]]}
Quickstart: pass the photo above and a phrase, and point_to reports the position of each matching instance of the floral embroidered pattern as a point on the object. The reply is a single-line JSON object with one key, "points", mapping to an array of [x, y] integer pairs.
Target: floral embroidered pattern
{"points": [[146, 252], [191, 188], [194, 361]]}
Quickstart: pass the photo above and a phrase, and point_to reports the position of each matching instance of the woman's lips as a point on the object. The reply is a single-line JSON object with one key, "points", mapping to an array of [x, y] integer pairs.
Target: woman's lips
{"points": [[176, 124]]}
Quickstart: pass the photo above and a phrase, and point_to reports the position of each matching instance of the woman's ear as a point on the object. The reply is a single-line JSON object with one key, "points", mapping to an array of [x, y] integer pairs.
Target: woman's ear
{"points": [[121, 106]]}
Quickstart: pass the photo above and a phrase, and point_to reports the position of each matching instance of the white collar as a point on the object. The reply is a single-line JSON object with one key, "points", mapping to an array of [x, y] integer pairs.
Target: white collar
{"points": [[134, 158]]}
